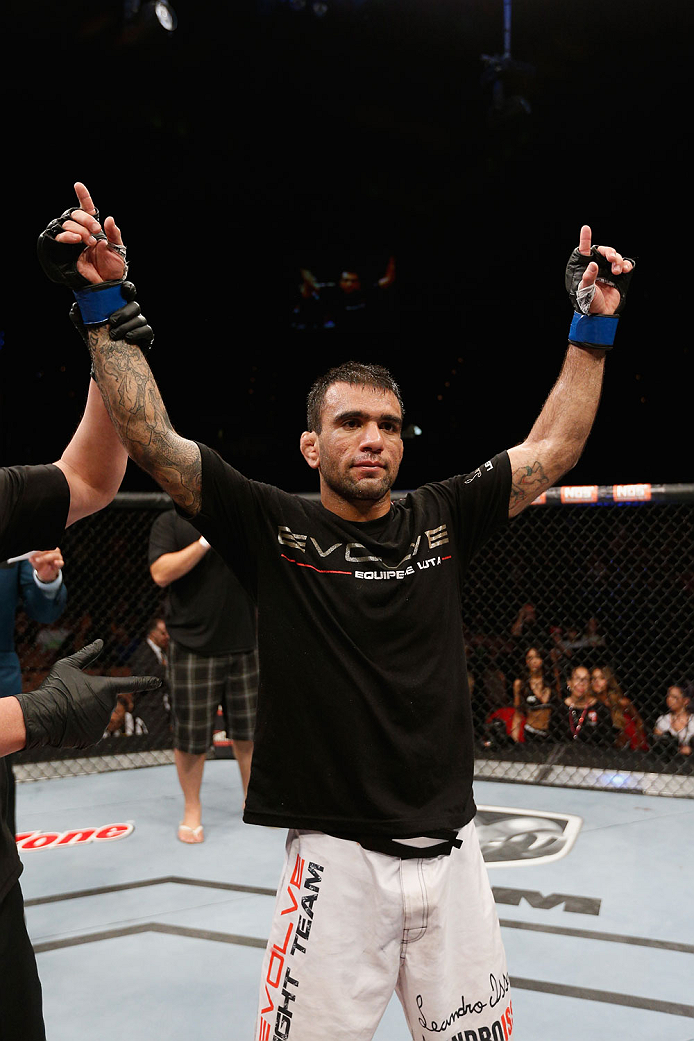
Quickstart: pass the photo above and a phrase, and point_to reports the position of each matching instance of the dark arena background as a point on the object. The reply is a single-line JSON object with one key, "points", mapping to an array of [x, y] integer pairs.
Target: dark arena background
{"points": [[304, 182], [300, 183]]}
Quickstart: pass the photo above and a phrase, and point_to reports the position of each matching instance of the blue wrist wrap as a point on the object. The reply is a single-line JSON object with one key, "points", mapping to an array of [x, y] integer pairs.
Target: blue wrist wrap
{"points": [[593, 330], [98, 302]]}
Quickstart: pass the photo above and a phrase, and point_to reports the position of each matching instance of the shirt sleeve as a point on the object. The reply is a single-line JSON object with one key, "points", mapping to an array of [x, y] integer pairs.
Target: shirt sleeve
{"points": [[230, 517], [40, 606], [34, 504], [161, 536], [663, 723], [479, 503]]}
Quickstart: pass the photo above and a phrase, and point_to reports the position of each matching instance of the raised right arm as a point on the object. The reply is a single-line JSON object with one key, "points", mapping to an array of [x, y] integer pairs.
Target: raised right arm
{"points": [[133, 402]]}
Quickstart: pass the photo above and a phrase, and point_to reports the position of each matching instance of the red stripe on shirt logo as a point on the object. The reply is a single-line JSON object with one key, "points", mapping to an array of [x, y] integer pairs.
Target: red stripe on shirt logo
{"points": [[321, 571]]}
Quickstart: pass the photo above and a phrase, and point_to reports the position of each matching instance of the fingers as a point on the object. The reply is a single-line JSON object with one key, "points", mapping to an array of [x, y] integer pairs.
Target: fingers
{"points": [[132, 684], [113, 232], [620, 265], [80, 659], [584, 240], [47, 558], [84, 198], [81, 227]]}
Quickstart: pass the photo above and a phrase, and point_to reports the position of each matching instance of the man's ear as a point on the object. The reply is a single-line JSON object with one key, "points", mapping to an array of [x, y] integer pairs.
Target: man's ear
{"points": [[309, 448]]}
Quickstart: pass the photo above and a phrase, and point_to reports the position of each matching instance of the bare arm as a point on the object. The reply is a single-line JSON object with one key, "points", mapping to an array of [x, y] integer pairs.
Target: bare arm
{"points": [[94, 461], [561, 430], [133, 401], [171, 566], [13, 734]]}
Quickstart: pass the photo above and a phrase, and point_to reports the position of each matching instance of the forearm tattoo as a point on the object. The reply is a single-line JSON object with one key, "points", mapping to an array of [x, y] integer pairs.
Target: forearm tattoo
{"points": [[133, 402], [527, 482]]}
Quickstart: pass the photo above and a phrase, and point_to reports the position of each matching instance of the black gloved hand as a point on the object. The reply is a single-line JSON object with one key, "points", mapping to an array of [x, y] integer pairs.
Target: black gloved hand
{"points": [[59, 259], [71, 709], [128, 323], [576, 266]]}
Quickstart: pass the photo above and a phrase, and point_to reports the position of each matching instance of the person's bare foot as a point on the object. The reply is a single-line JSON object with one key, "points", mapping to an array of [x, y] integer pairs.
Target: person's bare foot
{"points": [[190, 835]]}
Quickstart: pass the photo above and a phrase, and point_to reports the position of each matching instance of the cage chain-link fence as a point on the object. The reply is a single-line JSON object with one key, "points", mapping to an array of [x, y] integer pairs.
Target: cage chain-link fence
{"points": [[585, 580]]}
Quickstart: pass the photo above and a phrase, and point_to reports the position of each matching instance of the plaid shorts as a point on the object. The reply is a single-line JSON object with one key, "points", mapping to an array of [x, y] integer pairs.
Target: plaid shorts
{"points": [[199, 685]]}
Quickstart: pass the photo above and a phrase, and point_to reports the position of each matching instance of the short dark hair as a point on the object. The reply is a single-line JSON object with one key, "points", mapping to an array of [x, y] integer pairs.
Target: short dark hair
{"points": [[357, 374]]}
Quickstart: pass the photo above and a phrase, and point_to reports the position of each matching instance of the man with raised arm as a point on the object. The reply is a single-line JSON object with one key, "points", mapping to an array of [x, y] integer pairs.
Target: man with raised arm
{"points": [[363, 743], [70, 708]]}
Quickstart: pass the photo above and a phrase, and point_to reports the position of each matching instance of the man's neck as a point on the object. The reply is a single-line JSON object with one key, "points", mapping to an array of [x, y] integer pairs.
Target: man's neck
{"points": [[354, 509]]}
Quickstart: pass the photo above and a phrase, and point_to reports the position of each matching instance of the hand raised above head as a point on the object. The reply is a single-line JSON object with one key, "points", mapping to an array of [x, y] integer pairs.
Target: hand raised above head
{"points": [[75, 250]]}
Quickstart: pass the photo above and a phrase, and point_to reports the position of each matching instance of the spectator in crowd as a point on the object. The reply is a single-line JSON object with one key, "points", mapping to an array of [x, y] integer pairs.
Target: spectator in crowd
{"points": [[150, 659], [627, 724], [675, 729], [532, 700], [582, 717], [36, 584], [526, 631], [212, 656], [343, 304], [560, 654], [150, 712], [124, 721]]}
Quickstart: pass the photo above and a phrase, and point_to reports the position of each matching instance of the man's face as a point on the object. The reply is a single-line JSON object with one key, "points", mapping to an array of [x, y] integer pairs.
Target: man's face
{"points": [[359, 448], [160, 635], [350, 282]]}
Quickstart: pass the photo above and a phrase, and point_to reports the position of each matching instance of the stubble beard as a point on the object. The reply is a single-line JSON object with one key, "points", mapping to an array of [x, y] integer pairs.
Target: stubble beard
{"points": [[367, 489]]}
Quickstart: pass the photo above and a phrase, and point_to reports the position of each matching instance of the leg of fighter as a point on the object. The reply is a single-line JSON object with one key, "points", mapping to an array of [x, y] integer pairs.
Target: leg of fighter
{"points": [[453, 981]]}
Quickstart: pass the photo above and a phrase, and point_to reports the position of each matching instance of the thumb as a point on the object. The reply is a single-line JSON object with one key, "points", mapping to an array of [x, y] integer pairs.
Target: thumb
{"points": [[589, 275], [80, 659]]}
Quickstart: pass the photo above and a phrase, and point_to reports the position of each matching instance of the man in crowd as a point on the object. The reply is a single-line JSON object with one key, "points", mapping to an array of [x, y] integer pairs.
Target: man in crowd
{"points": [[363, 744]]}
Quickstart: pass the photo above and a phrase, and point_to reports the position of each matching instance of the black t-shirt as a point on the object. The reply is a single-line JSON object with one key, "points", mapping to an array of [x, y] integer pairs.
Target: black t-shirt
{"points": [[364, 719], [207, 611], [34, 503]]}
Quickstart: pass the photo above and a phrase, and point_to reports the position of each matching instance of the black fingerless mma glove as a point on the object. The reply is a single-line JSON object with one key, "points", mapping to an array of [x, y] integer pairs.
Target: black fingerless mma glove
{"points": [[97, 301], [594, 330]]}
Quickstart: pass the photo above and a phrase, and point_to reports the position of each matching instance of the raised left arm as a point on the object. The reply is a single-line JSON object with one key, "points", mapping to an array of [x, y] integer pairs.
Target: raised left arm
{"points": [[560, 432]]}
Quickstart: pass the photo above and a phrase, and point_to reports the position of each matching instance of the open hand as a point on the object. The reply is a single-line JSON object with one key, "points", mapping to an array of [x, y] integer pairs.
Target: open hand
{"points": [[607, 297], [98, 262]]}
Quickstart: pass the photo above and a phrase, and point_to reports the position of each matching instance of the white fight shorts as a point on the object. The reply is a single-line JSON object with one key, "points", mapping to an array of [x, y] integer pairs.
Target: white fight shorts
{"points": [[351, 926]]}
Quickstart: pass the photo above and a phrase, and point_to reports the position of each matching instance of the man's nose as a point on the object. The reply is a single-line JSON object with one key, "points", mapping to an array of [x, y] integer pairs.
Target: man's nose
{"points": [[372, 436]]}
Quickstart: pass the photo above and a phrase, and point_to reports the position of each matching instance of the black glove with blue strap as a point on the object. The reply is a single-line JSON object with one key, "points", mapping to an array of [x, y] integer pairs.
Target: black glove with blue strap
{"points": [[114, 302], [594, 330]]}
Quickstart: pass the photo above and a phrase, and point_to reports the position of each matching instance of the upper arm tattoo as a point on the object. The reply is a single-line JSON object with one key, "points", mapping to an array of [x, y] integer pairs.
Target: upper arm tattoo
{"points": [[527, 482], [133, 401]]}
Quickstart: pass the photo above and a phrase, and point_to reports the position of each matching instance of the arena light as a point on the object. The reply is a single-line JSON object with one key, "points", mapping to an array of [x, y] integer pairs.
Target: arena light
{"points": [[146, 21]]}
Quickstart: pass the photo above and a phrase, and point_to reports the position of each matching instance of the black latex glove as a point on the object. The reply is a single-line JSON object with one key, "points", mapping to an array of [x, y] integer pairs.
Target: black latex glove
{"points": [[71, 709]]}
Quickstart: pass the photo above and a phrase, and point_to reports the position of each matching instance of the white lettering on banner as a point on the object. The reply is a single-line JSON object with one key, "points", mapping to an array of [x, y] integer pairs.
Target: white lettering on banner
{"points": [[631, 492], [579, 493]]}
